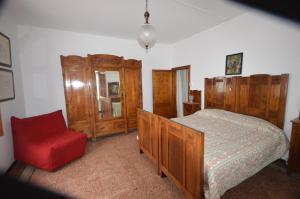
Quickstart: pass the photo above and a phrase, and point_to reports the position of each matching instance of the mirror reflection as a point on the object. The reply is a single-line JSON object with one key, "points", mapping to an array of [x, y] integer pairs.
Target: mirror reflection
{"points": [[108, 94]]}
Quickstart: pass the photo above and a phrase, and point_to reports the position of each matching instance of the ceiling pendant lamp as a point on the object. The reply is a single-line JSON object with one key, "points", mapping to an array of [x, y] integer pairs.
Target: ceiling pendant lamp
{"points": [[147, 33]]}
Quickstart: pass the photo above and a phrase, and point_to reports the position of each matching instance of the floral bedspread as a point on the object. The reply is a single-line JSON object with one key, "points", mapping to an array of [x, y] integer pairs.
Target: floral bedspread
{"points": [[236, 147]]}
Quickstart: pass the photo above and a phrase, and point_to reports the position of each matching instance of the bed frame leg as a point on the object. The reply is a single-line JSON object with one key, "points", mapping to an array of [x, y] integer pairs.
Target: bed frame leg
{"points": [[141, 151], [161, 174]]}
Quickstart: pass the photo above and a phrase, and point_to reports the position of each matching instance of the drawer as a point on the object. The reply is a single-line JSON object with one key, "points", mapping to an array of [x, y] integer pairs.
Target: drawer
{"points": [[111, 126], [82, 129]]}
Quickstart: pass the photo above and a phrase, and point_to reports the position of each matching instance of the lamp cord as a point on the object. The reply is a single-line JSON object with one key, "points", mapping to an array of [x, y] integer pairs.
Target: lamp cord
{"points": [[147, 14]]}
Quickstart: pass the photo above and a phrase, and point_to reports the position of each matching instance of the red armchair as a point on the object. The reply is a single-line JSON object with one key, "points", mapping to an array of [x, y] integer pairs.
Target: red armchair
{"points": [[45, 142]]}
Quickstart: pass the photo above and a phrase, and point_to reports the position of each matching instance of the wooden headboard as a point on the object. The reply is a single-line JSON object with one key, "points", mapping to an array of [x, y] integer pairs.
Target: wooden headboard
{"points": [[262, 95]]}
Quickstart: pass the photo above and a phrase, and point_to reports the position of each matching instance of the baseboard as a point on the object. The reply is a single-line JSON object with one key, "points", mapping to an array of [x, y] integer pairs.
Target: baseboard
{"points": [[15, 170]]}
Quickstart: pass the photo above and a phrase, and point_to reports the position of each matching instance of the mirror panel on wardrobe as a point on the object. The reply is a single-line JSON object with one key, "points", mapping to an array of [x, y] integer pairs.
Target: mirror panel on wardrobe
{"points": [[108, 94]]}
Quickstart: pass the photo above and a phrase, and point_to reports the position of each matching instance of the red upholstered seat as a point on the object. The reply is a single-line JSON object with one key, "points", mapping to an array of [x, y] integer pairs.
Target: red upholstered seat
{"points": [[45, 142]]}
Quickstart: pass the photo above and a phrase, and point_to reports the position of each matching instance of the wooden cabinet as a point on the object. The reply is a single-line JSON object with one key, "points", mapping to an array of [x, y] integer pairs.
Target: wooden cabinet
{"points": [[190, 108], [102, 93], [294, 155], [194, 106]]}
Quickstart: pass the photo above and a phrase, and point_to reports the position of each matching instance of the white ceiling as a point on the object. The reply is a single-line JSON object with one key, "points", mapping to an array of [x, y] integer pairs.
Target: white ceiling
{"points": [[174, 20]]}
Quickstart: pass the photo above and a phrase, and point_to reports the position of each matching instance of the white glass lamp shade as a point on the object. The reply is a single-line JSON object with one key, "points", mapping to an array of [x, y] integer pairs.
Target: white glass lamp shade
{"points": [[147, 36]]}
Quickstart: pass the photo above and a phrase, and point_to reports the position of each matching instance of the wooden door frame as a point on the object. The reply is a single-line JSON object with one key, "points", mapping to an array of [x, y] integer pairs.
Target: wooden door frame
{"points": [[174, 89], [175, 69], [186, 67]]}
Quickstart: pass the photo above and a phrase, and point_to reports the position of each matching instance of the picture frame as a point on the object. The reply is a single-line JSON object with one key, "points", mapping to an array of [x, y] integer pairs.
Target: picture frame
{"points": [[113, 89], [234, 64], [5, 51], [7, 87]]}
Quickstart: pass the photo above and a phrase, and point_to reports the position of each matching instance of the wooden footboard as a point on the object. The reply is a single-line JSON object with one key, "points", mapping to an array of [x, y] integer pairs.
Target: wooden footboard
{"points": [[148, 135], [177, 150]]}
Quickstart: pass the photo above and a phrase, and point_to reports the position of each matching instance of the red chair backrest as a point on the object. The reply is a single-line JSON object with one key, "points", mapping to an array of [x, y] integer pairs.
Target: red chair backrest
{"points": [[38, 127]]}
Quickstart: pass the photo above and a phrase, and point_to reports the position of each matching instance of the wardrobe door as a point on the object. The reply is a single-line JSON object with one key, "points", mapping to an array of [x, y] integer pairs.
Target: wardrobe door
{"points": [[132, 90], [76, 76], [164, 93], [107, 88]]}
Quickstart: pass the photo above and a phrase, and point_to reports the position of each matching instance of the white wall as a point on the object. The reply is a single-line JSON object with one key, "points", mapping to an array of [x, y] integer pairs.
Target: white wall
{"points": [[40, 51], [270, 45], [14, 107]]}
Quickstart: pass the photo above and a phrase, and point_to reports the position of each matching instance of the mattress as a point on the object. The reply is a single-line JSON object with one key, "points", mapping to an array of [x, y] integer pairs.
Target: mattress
{"points": [[236, 147]]}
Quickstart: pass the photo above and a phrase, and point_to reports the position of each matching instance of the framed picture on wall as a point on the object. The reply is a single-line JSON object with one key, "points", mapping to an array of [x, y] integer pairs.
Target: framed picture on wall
{"points": [[7, 89], [234, 64], [5, 51]]}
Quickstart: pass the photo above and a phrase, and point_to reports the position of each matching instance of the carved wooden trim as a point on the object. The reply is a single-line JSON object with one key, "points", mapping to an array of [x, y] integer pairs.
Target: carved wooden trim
{"points": [[100, 59]]}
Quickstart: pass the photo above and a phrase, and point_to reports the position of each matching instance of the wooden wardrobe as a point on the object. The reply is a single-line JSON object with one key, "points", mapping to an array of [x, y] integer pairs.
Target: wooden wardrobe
{"points": [[102, 93]]}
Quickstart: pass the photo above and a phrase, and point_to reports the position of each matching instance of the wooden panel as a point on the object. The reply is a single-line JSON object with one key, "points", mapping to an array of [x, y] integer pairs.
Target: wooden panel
{"points": [[148, 135], [294, 154], [132, 90], [214, 92], [110, 126], [100, 60], [1, 126], [175, 151], [194, 162], [262, 96], [180, 154], [77, 76], [242, 95], [163, 93], [208, 93], [259, 95], [182, 157], [218, 92], [277, 101], [230, 92]]}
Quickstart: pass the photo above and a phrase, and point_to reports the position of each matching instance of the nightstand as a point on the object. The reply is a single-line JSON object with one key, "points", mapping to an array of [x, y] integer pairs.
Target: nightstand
{"points": [[294, 155], [190, 108]]}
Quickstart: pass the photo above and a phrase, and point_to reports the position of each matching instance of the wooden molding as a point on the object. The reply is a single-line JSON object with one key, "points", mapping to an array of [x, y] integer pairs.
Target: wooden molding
{"points": [[1, 126]]}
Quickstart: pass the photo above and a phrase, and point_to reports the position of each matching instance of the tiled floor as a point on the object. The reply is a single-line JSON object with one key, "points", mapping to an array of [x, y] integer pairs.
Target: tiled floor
{"points": [[113, 168]]}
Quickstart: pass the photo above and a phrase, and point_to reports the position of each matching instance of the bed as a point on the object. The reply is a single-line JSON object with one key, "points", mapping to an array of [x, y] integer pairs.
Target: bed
{"points": [[237, 134]]}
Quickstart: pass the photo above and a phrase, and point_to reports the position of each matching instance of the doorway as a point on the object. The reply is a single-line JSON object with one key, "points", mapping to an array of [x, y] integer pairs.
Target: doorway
{"points": [[170, 89]]}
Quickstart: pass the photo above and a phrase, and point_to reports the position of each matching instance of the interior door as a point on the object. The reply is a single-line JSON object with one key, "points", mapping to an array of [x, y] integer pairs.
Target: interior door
{"points": [[164, 96]]}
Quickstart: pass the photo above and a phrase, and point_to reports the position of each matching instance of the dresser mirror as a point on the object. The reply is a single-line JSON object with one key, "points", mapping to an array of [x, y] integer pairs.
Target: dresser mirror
{"points": [[108, 94]]}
